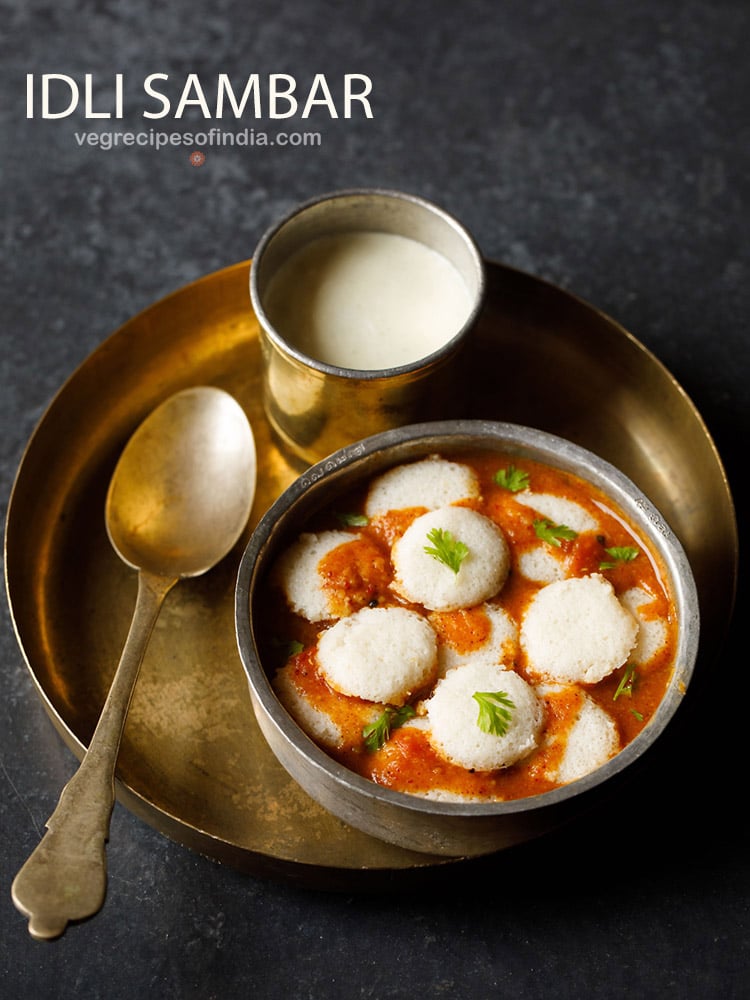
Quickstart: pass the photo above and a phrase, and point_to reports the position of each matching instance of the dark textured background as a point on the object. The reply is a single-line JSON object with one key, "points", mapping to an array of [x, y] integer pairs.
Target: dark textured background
{"points": [[600, 144]]}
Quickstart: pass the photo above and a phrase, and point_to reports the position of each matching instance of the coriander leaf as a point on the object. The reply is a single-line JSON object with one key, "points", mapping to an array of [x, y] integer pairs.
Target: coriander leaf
{"points": [[624, 553], [446, 549], [512, 479], [376, 734], [353, 520], [626, 684], [288, 647], [552, 533], [494, 711]]}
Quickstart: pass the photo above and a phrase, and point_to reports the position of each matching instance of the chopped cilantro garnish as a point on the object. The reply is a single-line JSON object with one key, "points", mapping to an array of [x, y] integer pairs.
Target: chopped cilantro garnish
{"points": [[288, 647], [627, 682], [494, 711], [353, 520], [553, 533], [512, 479], [446, 549], [376, 734], [619, 554]]}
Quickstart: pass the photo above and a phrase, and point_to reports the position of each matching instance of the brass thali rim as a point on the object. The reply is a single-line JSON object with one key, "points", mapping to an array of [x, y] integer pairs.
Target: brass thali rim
{"points": [[142, 802]]}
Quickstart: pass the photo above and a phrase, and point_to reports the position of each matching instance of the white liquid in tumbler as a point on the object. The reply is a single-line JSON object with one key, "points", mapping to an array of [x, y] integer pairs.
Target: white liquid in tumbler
{"points": [[367, 300]]}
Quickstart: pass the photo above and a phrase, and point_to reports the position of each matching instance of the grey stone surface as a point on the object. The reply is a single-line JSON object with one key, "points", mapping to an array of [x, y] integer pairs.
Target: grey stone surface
{"points": [[600, 144]]}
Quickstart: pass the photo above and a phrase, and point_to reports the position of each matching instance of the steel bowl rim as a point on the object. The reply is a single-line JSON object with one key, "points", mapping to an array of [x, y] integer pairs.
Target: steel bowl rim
{"points": [[462, 433]]}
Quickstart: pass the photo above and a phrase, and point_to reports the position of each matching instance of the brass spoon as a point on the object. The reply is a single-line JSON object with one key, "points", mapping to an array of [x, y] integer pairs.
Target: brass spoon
{"points": [[178, 501]]}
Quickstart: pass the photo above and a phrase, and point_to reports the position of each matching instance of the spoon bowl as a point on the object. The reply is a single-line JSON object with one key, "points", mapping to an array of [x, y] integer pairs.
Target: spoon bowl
{"points": [[182, 490], [178, 501]]}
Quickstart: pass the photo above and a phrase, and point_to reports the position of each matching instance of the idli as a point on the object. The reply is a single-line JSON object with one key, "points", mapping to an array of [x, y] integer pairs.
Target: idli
{"points": [[559, 510], [577, 631], [296, 572], [542, 564], [485, 633], [453, 712], [478, 574], [652, 631], [318, 590], [430, 483], [316, 723], [589, 742], [380, 654]]}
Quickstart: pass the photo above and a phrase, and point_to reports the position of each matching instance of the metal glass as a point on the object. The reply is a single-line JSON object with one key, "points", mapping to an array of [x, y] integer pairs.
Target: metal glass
{"points": [[315, 407]]}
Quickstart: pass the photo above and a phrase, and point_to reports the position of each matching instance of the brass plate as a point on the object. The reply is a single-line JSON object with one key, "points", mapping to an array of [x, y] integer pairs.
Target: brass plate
{"points": [[193, 763]]}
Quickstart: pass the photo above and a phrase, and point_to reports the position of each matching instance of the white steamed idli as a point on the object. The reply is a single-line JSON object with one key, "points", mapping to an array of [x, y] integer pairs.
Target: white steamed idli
{"points": [[589, 742], [559, 510], [498, 647], [652, 632], [423, 579], [379, 654], [577, 631], [443, 795], [296, 572], [430, 483], [542, 564], [453, 713], [316, 723]]}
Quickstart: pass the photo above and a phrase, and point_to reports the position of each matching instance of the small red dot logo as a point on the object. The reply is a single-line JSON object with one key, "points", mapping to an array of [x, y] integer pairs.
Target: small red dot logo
{"points": [[197, 159]]}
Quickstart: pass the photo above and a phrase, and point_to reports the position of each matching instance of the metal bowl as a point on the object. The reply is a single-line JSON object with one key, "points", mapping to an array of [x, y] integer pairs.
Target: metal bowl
{"points": [[446, 828]]}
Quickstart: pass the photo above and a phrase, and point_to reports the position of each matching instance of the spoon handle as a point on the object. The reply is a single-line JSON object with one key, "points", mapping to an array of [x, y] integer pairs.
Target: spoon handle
{"points": [[65, 877]]}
